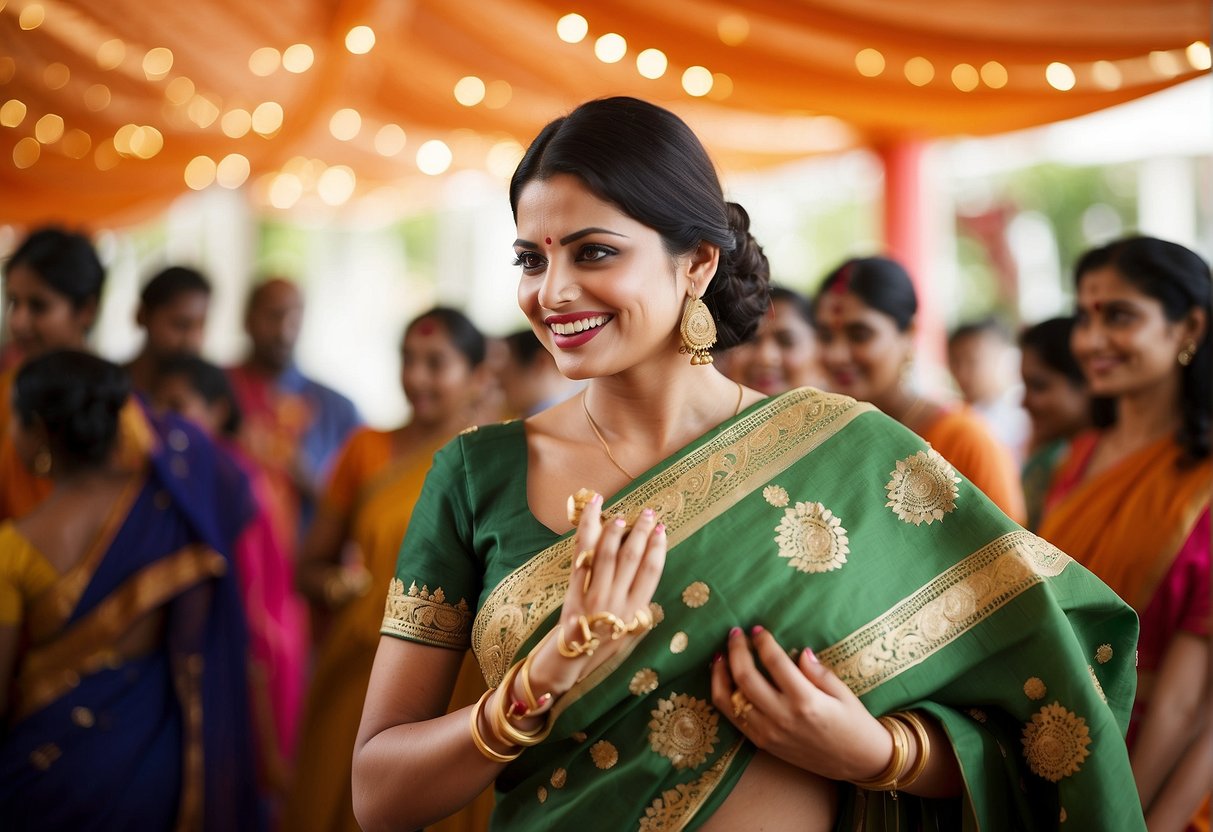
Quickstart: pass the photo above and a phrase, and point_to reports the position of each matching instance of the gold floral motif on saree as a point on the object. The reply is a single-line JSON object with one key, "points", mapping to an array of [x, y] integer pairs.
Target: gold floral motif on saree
{"points": [[923, 488], [679, 642], [1035, 689], [643, 681], [559, 778], [696, 595], [658, 612], [426, 616], [1096, 683], [918, 626], [1055, 742], [604, 754], [776, 495], [676, 806], [683, 730], [812, 538], [542, 794], [686, 496], [1103, 654]]}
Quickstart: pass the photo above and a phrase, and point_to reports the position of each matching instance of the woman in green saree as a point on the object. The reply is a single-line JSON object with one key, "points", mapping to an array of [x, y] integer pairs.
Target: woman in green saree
{"points": [[775, 572]]}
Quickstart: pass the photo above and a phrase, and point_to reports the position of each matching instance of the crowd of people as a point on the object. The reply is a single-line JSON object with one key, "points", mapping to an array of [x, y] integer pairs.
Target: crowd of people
{"points": [[691, 551]]}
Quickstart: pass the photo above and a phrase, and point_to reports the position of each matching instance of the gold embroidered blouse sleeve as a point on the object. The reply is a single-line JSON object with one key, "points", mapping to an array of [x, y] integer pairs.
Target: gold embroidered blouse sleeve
{"points": [[24, 574]]}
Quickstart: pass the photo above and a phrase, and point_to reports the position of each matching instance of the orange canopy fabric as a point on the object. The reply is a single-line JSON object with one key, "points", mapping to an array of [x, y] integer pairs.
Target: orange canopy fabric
{"points": [[104, 107]]}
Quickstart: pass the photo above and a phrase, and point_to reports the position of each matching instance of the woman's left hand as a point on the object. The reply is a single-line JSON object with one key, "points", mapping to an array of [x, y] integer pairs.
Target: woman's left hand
{"points": [[804, 714]]}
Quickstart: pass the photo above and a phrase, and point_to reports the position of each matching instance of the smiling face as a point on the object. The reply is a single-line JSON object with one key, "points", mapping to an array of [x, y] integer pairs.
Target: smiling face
{"points": [[1123, 340], [862, 350], [41, 319], [1058, 407], [782, 355], [599, 288], [438, 381], [177, 327]]}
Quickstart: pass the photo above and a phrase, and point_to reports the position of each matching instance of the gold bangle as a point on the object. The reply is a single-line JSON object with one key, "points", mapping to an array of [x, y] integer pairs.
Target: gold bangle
{"points": [[499, 720], [919, 729], [533, 704], [887, 779], [482, 746]]}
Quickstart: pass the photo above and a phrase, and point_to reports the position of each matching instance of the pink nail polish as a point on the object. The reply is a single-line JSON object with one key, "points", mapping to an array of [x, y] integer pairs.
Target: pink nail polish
{"points": [[619, 521], [733, 633], [812, 656], [596, 499], [756, 629], [660, 528], [717, 657], [648, 512]]}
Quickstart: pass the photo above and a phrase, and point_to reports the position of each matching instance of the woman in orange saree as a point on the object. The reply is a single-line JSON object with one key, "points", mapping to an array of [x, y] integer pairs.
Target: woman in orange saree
{"points": [[1131, 501]]}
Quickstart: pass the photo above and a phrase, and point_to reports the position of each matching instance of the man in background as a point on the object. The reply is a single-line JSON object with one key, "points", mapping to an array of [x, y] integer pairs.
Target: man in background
{"points": [[293, 426]]}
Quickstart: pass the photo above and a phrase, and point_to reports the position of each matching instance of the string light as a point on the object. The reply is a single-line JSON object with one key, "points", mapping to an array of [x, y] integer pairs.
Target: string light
{"points": [[469, 91], [264, 61], [345, 124], [965, 77], [390, 140], [26, 152], [697, 81], [200, 173], [652, 63], [298, 58], [869, 62], [12, 113], [572, 28], [994, 75], [434, 157], [1060, 76], [49, 128], [610, 48], [360, 40]]}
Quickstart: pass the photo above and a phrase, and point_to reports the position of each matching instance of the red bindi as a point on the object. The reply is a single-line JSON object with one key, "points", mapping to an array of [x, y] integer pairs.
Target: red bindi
{"points": [[547, 240], [1098, 305], [426, 328]]}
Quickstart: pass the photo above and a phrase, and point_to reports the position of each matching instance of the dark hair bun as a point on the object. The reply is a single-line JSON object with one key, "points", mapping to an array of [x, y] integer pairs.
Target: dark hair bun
{"points": [[76, 397], [739, 294]]}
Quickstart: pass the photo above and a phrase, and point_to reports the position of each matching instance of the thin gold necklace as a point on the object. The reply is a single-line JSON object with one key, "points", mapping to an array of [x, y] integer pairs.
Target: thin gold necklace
{"points": [[607, 448]]}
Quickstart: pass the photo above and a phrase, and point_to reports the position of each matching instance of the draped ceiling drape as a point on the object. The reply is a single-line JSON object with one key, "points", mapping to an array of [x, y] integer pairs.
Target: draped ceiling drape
{"points": [[110, 109]]}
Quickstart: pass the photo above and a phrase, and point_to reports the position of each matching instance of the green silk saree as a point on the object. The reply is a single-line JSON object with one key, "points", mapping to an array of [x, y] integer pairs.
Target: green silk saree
{"points": [[836, 529]]}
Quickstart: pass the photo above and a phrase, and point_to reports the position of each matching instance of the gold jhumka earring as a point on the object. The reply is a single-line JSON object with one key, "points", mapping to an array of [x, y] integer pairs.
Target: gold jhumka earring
{"points": [[698, 331]]}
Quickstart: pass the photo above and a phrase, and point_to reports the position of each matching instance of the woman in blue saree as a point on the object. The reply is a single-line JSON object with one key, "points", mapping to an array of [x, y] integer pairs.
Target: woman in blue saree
{"points": [[122, 644], [791, 614]]}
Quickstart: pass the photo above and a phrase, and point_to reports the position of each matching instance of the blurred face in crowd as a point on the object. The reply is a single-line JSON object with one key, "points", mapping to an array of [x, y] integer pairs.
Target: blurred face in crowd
{"points": [[174, 392], [438, 381], [1123, 340], [782, 355], [599, 288], [273, 322], [41, 319], [978, 363], [176, 327], [862, 349], [1058, 407]]}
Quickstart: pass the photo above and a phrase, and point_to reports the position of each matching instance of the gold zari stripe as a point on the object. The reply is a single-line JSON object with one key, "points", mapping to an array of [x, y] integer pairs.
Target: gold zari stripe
{"points": [[942, 610], [686, 496], [425, 616]]}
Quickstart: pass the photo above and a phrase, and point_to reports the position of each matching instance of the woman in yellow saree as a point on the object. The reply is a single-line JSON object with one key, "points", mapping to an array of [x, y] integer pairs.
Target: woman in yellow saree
{"points": [[640, 647], [369, 498]]}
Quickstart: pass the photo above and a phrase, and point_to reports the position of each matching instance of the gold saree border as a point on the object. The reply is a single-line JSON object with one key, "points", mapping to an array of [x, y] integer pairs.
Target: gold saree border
{"points": [[53, 668], [677, 806], [686, 495], [943, 609]]}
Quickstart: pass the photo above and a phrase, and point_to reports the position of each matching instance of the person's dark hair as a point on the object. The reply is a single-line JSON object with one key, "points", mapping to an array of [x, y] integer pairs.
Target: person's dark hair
{"points": [[879, 282], [464, 336], [1179, 280], [76, 397], [799, 303], [990, 325], [1050, 341], [64, 260], [647, 162], [208, 381], [524, 345], [171, 283]]}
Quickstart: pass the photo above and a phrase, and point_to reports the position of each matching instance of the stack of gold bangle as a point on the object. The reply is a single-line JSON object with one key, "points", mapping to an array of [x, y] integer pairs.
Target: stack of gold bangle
{"points": [[500, 715], [901, 725]]}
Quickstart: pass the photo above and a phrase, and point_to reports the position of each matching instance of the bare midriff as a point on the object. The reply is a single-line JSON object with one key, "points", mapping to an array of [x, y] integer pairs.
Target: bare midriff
{"points": [[773, 796]]}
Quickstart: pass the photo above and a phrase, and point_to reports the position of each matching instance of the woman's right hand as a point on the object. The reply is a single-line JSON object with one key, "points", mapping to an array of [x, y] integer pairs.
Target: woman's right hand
{"points": [[623, 572]]}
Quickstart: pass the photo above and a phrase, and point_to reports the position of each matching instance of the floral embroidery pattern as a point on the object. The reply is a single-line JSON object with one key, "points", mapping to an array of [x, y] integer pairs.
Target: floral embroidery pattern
{"points": [[812, 538], [1034, 688], [1103, 654], [776, 495], [604, 754], [679, 642], [542, 794], [658, 613], [683, 730], [923, 488], [676, 806], [426, 616], [644, 681], [696, 595], [1098, 686], [1055, 742], [559, 778]]}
